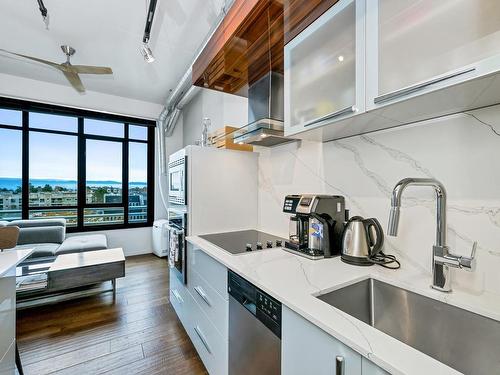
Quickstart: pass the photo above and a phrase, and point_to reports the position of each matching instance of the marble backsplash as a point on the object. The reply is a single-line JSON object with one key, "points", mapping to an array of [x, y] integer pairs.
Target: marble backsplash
{"points": [[462, 151]]}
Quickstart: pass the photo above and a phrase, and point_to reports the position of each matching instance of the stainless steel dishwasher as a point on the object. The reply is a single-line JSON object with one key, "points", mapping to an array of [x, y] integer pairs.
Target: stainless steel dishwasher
{"points": [[254, 329]]}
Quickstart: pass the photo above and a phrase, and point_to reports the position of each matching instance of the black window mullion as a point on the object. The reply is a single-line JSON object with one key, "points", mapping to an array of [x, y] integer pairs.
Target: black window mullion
{"points": [[25, 166], [151, 175], [125, 166], [82, 188]]}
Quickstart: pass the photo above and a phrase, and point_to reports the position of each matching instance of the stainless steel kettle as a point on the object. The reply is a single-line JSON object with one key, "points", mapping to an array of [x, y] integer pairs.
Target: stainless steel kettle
{"points": [[361, 241]]}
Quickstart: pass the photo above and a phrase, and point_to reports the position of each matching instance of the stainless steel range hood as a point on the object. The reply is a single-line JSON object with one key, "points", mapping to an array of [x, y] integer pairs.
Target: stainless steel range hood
{"points": [[266, 99]]}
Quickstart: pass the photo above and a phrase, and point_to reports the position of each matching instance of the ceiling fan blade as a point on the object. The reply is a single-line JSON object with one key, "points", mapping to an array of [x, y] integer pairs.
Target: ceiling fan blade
{"points": [[88, 69], [47, 62], [75, 81]]}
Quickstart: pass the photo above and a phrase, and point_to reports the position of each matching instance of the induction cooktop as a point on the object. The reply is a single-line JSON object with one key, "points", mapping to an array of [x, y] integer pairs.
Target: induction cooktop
{"points": [[244, 241]]}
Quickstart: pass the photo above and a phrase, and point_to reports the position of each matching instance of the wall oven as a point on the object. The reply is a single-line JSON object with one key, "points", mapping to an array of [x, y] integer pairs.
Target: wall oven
{"points": [[177, 183], [177, 226]]}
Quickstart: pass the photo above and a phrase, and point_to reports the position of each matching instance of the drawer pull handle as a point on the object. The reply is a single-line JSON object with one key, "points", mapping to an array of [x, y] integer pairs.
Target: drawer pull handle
{"points": [[202, 294], [177, 295], [339, 365], [202, 338], [419, 86], [330, 116]]}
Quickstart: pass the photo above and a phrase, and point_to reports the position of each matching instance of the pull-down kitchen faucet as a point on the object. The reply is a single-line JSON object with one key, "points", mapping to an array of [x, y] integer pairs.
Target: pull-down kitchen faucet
{"points": [[442, 259]]}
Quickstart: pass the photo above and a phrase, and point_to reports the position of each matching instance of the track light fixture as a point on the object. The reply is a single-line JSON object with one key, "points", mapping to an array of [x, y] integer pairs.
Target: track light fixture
{"points": [[44, 12], [147, 53], [145, 50]]}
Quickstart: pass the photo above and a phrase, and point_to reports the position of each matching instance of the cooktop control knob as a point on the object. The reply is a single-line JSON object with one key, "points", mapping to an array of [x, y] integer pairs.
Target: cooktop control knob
{"points": [[269, 244], [259, 245], [249, 247], [278, 243]]}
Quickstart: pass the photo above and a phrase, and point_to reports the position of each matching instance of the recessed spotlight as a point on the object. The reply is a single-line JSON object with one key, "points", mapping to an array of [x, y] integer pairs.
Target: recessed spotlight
{"points": [[340, 58]]}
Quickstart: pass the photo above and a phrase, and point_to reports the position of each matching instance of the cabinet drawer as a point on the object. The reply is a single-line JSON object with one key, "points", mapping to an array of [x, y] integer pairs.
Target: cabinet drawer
{"points": [[211, 303], [210, 345], [208, 268], [8, 361], [178, 293], [7, 313]]}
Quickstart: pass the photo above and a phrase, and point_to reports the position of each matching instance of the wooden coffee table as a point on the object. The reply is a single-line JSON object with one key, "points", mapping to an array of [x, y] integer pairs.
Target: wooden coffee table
{"points": [[70, 271]]}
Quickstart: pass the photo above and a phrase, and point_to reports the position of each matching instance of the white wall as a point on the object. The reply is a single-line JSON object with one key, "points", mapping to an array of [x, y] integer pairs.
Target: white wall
{"points": [[134, 241], [461, 151], [222, 109], [44, 92]]}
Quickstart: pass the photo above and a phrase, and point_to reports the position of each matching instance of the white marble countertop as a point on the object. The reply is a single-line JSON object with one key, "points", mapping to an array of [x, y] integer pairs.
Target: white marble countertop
{"points": [[11, 258], [295, 281]]}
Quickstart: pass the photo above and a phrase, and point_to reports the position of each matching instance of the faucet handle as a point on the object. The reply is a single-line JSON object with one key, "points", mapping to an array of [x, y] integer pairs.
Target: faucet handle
{"points": [[469, 263]]}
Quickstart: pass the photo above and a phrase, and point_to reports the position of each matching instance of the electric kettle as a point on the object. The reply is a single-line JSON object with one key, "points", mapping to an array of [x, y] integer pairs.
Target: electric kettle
{"points": [[361, 241]]}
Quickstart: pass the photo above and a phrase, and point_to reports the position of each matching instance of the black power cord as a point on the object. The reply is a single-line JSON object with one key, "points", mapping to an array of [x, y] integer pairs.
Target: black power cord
{"points": [[385, 260]]}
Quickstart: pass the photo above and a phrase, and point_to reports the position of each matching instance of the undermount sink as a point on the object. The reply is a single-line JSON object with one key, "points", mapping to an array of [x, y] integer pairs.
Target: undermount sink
{"points": [[467, 342]]}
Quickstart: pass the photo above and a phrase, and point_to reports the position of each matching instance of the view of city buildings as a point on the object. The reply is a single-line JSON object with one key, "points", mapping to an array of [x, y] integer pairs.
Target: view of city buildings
{"points": [[55, 196]]}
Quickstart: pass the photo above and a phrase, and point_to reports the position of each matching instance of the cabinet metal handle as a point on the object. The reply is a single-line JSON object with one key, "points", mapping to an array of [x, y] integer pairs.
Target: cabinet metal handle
{"points": [[330, 116], [202, 338], [177, 295], [419, 86], [339, 365], [202, 294]]}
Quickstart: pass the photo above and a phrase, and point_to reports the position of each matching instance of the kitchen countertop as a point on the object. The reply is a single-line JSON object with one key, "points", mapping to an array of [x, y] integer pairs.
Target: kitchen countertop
{"points": [[295, 281], [11, 258]]}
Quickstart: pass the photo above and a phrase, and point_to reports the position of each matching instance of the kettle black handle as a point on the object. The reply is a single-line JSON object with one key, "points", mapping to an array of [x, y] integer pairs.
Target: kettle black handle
{"points": [[372, 222]]}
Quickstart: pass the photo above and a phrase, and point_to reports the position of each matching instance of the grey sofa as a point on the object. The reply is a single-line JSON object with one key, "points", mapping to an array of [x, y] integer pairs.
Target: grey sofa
{"points": [[47, 238]]}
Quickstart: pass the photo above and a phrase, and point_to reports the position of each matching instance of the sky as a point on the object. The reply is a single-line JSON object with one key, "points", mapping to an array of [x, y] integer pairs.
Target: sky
{"points": [[54, 156]]}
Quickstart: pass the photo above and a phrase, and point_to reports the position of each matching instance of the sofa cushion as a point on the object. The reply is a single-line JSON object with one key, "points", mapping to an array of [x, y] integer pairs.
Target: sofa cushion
{"points": [[78, 244], [3, 223], [35, 235], [40, 250]]}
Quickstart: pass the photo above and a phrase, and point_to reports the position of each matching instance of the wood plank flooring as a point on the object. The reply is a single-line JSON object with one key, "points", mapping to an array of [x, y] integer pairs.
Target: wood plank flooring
{"points": [[139, 334]]}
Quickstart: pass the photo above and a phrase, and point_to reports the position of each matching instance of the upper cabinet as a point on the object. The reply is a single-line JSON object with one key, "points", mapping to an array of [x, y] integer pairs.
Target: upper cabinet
{"points": [[246, 46], [324, 69], [365, 65], [414, 47]]}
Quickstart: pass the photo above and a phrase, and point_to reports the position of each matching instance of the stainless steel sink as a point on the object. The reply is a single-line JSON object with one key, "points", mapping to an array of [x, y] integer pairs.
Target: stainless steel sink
{"points": [[467, 342]]}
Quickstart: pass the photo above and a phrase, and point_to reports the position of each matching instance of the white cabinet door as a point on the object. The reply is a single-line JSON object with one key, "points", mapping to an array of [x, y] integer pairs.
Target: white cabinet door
{"points": [[414, 47], [306, 349], [324, 69], [369, 368]]}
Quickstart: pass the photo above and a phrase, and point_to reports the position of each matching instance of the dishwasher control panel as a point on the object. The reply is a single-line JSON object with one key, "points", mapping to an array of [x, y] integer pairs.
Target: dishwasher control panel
{"points": [[269, 306]]}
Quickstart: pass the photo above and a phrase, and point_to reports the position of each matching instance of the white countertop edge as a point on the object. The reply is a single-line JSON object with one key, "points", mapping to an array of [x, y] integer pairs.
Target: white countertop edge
{"points": [[11, 258], [385, 351]]}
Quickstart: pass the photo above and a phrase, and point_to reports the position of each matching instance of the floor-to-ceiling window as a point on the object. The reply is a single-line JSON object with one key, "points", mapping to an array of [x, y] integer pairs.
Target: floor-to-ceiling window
{"points": [[94, 170]]}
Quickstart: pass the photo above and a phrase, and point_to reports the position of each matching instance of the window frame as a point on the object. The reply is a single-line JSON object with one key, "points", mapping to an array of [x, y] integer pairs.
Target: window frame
{"points": [[26, 107]]}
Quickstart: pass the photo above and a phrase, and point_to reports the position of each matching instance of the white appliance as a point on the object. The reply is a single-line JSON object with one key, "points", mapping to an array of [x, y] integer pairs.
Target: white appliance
{"points": [[160, 238]]}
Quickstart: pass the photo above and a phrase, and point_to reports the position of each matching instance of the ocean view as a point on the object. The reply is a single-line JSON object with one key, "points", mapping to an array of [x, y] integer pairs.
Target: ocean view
{"points": [[12, 183]]}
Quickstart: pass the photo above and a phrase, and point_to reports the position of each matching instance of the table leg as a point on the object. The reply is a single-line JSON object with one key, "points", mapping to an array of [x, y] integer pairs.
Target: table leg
{"points": [[113, 282]]}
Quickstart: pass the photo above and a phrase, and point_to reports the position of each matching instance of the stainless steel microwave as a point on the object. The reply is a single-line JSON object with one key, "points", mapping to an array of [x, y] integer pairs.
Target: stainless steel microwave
{"points": [[177, 183]]}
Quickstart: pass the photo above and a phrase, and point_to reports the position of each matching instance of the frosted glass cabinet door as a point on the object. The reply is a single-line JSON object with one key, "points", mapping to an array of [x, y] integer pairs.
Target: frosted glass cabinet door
{"points": [[418, 41], [322, 67]]}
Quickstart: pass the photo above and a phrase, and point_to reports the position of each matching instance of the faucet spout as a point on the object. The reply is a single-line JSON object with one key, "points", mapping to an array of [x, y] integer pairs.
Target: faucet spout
{"points": [[397, 194]]}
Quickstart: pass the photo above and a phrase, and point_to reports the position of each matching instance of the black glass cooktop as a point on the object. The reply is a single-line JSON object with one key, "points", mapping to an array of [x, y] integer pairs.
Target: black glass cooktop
{"points": [[244, 241]]}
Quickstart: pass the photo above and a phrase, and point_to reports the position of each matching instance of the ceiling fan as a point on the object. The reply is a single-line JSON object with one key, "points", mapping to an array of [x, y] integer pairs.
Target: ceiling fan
{"points": [[70, 71]]}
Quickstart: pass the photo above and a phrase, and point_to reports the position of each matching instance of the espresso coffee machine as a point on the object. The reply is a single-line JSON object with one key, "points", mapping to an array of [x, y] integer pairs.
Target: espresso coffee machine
{"points": [[316, 225]]}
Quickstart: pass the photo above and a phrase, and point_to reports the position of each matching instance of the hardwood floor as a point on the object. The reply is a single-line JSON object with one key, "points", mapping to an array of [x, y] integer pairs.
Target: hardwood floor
{"points": [[139, 334]]}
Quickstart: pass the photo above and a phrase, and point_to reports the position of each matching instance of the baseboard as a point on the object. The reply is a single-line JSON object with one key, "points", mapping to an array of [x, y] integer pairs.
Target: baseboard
{"points": [[129, 253]]}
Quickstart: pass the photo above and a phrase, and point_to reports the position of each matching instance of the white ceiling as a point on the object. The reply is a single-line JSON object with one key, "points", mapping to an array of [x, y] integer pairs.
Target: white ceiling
{"points": [[107, 33]]}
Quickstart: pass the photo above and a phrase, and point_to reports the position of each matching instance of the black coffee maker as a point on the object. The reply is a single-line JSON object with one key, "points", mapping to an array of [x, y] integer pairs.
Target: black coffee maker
{"points": [[316, 225]]}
